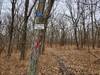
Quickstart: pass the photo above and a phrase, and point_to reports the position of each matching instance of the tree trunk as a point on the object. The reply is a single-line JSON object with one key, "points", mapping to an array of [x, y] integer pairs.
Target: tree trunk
{"points": [[11, 28], [24, 31], [76, 39], [93, 45]]}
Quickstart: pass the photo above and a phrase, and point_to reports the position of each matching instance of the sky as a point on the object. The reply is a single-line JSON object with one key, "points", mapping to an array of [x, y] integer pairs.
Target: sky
{"points": [[61, 7], [6, 6]]}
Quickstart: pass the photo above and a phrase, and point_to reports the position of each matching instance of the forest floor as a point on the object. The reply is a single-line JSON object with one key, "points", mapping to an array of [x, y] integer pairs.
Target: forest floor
{"points": [[74, 62], [55, 61]]}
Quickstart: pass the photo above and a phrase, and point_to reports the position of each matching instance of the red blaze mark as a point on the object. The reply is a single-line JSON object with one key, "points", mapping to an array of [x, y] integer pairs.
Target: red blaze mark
{"points": [[37, 44]]}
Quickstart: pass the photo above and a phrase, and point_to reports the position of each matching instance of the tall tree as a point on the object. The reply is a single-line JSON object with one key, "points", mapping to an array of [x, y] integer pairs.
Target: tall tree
{"points": [[75, 19], [13, 2], [92, 23], [40, 40], [24, 28]]}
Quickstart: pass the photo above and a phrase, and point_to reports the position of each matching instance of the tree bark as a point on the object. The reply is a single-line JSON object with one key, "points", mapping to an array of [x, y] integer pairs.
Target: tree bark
{"points": [[12, 27]]}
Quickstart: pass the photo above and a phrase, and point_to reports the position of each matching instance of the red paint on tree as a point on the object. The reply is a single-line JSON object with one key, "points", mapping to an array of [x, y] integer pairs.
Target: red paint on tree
{"points": [[37, 43]]}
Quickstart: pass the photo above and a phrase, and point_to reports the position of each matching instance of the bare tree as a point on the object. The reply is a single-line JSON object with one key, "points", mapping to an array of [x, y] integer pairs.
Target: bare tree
{"points": [[24, 29], [13, 2], [75, 20]]}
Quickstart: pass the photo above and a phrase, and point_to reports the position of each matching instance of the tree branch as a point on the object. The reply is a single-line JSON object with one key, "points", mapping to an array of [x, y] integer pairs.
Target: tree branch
{"points": [[31, 9]]}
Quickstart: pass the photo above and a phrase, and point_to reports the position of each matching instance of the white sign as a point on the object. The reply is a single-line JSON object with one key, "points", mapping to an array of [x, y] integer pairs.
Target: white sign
{"points": [[39, 26]]}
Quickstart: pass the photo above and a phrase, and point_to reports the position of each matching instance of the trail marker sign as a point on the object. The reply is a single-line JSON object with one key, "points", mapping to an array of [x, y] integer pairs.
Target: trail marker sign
{"points": [[39, 26], [39, 14]]}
